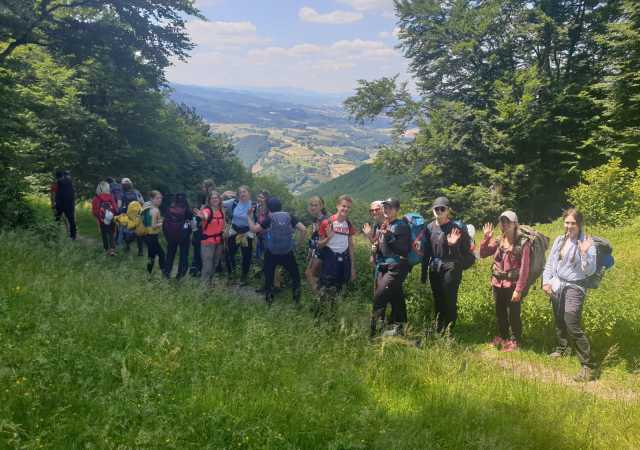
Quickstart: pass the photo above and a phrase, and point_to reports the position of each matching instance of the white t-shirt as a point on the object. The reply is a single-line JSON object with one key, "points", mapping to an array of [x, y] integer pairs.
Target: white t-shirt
{"points": [[339, 243]]}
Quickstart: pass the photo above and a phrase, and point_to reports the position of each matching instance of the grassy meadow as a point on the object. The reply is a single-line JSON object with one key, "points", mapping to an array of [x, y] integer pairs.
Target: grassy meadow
{"points": [[96, 354]]}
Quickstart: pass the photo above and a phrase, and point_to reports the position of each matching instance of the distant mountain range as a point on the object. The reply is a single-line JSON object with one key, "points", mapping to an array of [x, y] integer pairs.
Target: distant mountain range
{"points": [[302, 138]]}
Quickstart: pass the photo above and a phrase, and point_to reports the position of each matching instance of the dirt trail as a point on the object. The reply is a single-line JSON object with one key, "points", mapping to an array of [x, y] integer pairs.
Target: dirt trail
{"points": [[544, 374]]}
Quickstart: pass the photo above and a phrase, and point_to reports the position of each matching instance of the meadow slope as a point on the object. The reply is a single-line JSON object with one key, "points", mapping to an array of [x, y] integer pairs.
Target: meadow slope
{"points": [[96, 354]]}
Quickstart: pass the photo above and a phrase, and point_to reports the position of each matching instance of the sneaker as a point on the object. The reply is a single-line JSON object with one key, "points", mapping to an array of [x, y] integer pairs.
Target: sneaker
{"points": [[510, 346], [585, 375], [497, 342]]}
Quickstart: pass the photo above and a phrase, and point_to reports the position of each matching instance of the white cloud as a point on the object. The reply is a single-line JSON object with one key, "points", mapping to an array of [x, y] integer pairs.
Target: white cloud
{"points": [[389, 34], [217, 35], [308, 14], [369, 5], [235, 54]]}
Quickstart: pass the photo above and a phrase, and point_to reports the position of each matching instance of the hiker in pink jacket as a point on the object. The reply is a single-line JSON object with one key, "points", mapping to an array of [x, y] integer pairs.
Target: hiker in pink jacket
{"points": [[509, 274]]}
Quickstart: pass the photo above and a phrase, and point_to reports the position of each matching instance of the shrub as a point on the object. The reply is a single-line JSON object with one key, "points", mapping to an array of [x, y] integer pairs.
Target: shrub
{"points": [[16, 211], [608, 193]]}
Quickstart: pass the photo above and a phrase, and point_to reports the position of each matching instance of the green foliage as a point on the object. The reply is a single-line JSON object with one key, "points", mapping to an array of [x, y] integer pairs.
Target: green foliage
{"points": [[517, 99], [607, 194], [89, 97], [366, 183], [16, 211]]}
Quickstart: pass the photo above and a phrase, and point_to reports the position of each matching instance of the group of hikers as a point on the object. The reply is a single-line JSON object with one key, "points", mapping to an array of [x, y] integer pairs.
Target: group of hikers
{"points": [[221, 224]]}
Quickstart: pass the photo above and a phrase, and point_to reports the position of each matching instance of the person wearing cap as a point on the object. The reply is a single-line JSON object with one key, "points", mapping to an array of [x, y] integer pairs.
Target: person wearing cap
{"points": [[509, 274], [392, 267], [128, 195], [278, 228], [444, 241]]}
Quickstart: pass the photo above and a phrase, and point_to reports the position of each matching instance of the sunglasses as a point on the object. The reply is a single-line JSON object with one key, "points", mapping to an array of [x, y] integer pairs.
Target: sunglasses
{"points": [[440, 208], [374, 210]]}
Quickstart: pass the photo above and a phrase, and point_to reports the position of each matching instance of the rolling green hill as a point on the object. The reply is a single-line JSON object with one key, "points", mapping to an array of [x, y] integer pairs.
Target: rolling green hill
{"points": [[363, 183]]}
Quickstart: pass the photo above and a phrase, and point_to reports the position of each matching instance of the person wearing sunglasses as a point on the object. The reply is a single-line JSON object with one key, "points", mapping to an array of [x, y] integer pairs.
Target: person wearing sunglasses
{"points": [[371, 231], [392, 268], [444, 241]]}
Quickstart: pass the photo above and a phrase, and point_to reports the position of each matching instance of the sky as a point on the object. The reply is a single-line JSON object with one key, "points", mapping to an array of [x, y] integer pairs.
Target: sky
{"points": [[315, 45]]}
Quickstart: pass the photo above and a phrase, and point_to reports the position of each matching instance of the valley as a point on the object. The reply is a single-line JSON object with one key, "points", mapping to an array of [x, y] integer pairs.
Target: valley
{"points": [[303, 144]]}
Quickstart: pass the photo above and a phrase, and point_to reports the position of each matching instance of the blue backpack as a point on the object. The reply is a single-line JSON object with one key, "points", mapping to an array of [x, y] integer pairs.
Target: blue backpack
{"points": [[604, 261], [416, 224], [279, 236]]}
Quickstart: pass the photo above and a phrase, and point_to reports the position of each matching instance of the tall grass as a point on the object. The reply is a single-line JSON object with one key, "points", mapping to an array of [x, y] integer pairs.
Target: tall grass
{"points": [[96, 354]]}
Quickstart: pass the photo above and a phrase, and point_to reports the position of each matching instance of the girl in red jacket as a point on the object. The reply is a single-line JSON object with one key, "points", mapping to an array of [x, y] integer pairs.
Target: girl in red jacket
{"points": [[104, 209]]}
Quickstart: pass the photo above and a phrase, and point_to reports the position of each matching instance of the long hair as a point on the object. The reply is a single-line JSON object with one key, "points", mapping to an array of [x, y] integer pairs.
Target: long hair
{"points": [[579, 218], [320, 200]]}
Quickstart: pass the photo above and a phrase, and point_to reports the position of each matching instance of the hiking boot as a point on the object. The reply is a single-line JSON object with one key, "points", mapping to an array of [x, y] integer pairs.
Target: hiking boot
{"points": [[585, 375], [510, 346], [394, 330], [497, 342], [559, 352]]}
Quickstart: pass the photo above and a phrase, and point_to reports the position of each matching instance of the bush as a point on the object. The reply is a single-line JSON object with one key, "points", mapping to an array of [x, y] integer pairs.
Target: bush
{"points": [[16, 211], [607, 194]]}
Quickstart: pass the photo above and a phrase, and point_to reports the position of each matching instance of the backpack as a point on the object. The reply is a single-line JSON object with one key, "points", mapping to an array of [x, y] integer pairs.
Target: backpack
{"points": [[467, 258], [604, 261], [129, 197], [539, 244], [206, 224], [279, 236], [130, 221], [416, 224], [106, 213], [145, 222], [176, 228]]}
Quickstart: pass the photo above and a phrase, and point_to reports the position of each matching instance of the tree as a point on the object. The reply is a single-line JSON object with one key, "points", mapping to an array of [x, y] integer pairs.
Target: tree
{"points": [[503, 116]]}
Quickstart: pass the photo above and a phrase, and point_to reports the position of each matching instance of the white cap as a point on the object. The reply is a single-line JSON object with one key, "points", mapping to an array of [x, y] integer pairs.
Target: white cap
{"points": [[126, 181], [510, 215]]}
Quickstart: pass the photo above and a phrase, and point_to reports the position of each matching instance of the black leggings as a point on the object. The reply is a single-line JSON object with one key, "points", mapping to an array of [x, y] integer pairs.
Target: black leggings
{"points": [[290, 264], [507, 313], [183, 260], [444, 285], [155, 249], [69, 212], [232, 250], [389, 290], [108, 238]]}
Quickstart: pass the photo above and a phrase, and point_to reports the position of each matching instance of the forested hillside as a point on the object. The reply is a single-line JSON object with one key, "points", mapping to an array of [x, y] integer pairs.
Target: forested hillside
{"points": [[82, 87], [365, 183]]}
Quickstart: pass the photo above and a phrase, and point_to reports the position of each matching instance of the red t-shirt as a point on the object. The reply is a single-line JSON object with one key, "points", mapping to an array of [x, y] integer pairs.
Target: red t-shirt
{"points": [[212, 227], [339, 243]]}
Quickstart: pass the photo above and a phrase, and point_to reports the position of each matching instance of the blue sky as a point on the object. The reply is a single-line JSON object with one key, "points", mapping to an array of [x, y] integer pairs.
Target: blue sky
{"points": [[317, 45]]}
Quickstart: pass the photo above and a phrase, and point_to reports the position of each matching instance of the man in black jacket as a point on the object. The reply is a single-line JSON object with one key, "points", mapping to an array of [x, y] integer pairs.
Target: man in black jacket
{"points": [[65, 201], [392, 267]]}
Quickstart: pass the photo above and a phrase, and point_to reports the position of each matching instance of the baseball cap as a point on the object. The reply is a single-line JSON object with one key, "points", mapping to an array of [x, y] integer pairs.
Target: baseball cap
{"points": [[393, 202], [441, 202], [126, 181], [510, 215]]}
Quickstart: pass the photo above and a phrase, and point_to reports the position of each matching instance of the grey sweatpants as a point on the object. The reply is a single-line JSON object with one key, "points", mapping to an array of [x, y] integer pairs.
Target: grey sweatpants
{"points": [[567, 310], [211, 256]]}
